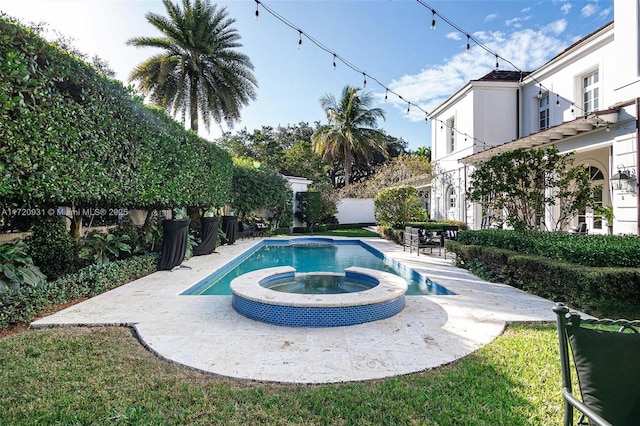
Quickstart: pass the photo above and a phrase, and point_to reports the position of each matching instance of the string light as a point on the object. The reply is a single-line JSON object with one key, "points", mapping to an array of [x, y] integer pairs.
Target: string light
{"points": [[337, 57], [364, 83], [557, 100], [257, 15], [487, 49], [433, 19], [540, 93]]}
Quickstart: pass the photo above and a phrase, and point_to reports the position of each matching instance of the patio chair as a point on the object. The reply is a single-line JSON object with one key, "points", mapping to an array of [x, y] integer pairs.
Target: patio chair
{"points": [[428, 240], [581, 229], [261, 228], [246, 229], [449, 233], [607, 367]]}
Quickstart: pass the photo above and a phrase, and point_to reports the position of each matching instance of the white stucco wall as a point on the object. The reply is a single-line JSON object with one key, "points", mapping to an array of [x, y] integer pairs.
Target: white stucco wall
{"points": [[356, 210]]}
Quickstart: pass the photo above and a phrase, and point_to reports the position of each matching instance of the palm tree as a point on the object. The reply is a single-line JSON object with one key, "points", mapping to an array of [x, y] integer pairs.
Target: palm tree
{"points": [[351, 129], [424, 151], [199, 70]]}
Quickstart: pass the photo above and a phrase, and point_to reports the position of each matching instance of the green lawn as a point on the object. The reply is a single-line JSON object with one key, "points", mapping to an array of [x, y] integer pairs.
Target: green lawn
{"points": [[104, 376]]}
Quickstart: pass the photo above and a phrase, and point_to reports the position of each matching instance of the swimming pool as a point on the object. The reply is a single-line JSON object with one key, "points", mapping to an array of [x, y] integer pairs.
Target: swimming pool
{"points": [[311, 255]]}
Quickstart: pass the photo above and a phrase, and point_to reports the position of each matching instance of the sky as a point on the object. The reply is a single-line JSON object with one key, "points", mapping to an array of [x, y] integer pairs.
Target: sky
{"points": [[389, 40]]}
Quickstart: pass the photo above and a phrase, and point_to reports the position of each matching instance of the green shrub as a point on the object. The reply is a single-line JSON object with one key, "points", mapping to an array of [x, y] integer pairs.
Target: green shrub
{"points": [[587, 250], [17, 269], [135, 234], [101, 249], [398, 205], [22, 304], [51, 247], [588, 288]]}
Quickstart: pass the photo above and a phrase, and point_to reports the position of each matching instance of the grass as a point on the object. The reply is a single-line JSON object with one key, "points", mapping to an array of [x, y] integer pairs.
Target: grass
{"points": [[104, 376]]}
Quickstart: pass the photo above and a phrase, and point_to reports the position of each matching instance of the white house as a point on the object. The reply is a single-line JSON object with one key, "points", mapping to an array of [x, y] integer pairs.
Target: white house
{"points": [[585, 100]]}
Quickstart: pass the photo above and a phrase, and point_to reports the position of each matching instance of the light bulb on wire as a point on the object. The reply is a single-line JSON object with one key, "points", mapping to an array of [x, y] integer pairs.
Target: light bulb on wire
{"points": [[300, 39], [468, 45], [433, 19], [257, 15]]}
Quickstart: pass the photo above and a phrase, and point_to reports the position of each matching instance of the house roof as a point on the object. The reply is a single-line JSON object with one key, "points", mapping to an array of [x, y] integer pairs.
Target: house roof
{"points": [[503, 75]]}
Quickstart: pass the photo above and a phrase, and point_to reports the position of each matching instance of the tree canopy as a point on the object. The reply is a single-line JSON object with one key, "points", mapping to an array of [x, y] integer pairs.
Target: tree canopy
{"points": [[351, 130], [200, 71], [529, 185]]}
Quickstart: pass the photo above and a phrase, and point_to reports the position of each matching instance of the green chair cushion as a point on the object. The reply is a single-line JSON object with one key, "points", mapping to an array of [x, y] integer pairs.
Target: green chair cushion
{"points": [[608, 368]]}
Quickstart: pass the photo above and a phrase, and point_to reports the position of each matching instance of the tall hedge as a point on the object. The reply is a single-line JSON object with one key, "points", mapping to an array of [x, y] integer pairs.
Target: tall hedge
{"points": [[587, 250], [70, 136]]}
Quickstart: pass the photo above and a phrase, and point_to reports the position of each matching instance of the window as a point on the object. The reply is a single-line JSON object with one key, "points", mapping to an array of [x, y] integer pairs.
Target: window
{"points": [[597, 178], [590, 92], [543, 112], [451, 198], [451, 135]]}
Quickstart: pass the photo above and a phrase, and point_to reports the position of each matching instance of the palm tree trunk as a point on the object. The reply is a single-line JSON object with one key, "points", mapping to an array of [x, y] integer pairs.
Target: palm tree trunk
{"points": [[347, 166], [193, 105]]}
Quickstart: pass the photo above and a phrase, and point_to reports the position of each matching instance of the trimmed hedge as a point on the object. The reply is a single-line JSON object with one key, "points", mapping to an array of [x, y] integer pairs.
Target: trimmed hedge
{"points": [[21, 305], [72, 137], [587, 288], [586, 250]]}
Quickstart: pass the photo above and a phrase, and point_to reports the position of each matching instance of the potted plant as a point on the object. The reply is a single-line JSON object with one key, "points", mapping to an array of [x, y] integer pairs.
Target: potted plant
{"points": [[174, 245], [209, 225]]}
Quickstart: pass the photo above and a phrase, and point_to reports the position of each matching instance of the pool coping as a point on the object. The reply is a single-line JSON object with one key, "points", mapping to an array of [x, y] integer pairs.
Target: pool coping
{"points": [[248, 286], [206, 334]]}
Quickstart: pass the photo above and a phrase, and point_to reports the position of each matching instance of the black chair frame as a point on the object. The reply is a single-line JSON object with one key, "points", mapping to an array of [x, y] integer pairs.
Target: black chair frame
{"points": [[565, 319]]}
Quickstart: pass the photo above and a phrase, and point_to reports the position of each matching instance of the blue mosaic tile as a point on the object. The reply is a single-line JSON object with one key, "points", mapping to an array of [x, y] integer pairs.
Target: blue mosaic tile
{"points": [[296, 316]]}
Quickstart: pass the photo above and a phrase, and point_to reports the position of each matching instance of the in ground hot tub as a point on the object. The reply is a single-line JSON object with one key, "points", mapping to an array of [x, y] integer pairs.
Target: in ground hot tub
{"points": [[253, 299]]}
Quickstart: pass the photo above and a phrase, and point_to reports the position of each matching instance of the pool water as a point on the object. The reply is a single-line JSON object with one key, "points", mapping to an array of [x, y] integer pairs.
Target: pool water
{"points": [[319, 284], [310, 255]]}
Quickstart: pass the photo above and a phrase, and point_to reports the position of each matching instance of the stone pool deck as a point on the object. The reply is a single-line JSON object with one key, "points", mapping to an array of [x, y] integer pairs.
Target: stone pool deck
{"points": [[205, 333]]}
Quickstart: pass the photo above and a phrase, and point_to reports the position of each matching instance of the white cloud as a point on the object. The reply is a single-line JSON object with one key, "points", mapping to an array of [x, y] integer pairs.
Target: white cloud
{"points": [[515, 22], [604, 13], [566, 8], [556, 27], [526, 10], [490, 17], [589, 10], [526, 49], [454, 35]]}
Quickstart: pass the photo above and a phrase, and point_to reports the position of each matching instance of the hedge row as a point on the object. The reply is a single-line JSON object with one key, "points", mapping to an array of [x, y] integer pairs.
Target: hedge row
{"points": [[587, 288], [586, 250], [72, 137], [21, 305]]}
